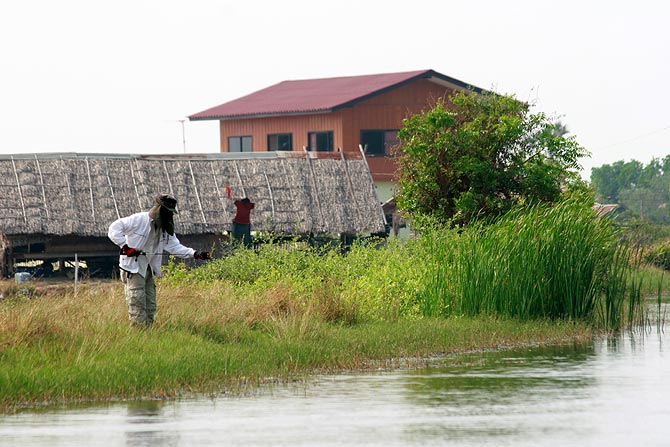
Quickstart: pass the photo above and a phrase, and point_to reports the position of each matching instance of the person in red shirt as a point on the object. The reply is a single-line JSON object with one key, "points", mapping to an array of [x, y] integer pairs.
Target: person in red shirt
{"points": [[242, 221]]}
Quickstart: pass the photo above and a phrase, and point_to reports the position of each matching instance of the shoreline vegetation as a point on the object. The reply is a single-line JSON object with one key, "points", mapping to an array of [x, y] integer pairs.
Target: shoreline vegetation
{"points": [[544, 275]]}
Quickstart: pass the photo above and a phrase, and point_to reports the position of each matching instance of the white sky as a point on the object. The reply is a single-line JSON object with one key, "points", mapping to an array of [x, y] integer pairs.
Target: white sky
{"points": [[92, 76]]}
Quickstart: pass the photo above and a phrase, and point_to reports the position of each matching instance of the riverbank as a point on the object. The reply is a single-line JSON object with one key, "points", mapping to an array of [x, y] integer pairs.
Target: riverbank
{"points": [[65, 349], [545, 275]]}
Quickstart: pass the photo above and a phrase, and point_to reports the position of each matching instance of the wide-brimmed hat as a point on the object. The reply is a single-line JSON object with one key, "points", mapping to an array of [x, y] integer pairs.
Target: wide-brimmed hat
{"points": [[167, 201]]}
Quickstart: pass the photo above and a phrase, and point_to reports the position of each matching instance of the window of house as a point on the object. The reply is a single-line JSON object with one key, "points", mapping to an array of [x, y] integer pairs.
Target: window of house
{"points": [[379, 142], [280, 142], [239, 144], [320, 141]]}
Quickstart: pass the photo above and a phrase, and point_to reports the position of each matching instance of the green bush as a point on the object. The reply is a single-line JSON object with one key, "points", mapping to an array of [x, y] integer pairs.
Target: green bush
{"points": [[365, 283]]}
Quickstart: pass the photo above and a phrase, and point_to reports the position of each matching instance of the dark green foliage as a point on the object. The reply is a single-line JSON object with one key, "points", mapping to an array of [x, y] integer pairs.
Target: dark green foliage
{"points": [[478, 156]]}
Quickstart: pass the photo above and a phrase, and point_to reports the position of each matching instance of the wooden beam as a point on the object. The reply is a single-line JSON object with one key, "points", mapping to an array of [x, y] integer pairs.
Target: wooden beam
{"points": [[90, 189], [64, 255], [362, 150], [18, 185], [44, 194], [167, 175], [272, 199], [351, 186], [239, 178], [111, 188], [218, 192], [197, 195]]}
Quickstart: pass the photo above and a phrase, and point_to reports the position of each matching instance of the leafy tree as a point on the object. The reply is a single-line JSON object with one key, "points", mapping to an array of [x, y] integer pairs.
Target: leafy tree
{"points": [[650, 201], [643, 189], [477, 156], [558, 129], [644, 193], [610, 180], [650, 172]]}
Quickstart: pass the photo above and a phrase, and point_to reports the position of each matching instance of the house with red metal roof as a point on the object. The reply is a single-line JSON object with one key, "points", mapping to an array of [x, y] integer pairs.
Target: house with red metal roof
{"points": [[349, 115]]}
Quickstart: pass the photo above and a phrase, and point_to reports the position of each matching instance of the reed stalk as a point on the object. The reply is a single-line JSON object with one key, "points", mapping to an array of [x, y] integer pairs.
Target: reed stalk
{"points": [[558, 262]]}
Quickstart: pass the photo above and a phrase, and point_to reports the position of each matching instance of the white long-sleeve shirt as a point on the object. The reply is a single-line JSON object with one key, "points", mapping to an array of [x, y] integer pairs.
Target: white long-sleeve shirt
{"points": [[134, 231]]}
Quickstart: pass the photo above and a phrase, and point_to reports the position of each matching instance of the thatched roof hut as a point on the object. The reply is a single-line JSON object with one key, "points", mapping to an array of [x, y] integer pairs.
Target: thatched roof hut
{"points": [[81, 194]]}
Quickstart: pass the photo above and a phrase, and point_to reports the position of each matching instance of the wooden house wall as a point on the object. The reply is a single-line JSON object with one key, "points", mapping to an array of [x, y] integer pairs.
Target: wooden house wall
{"points": [[382, 112], [298, 125], [387, 111], [383, 168]]}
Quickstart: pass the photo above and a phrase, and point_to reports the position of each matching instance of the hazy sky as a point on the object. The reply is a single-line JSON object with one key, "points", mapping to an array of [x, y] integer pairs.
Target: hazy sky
{"points": [[92, 76]]}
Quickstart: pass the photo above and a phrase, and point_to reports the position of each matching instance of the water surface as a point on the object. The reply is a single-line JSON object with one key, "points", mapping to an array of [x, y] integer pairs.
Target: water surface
{"points": [[612, 392]]}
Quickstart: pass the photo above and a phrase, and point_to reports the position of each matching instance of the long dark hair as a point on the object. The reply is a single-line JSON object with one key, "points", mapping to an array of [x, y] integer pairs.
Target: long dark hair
{"points": [[161, 215]]}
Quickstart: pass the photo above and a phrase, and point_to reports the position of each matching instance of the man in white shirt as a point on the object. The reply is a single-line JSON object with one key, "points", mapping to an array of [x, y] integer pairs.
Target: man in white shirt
{"points": [[143, 237]]}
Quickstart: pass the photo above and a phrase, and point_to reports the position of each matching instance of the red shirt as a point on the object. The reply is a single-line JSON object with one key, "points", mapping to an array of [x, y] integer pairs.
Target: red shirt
{"points": [[243, 211]]}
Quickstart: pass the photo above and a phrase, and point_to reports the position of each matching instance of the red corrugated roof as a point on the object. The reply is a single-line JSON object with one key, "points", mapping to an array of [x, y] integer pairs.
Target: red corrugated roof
{"points": [[315, 95]]}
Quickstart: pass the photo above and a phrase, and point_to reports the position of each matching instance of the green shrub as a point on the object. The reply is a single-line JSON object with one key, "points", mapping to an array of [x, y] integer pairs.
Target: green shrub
{"points": [[365, 283]]}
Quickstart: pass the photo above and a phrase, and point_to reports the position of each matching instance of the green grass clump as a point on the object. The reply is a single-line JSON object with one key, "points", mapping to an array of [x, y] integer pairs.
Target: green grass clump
{"points": [[556, 262], [366, 283]]}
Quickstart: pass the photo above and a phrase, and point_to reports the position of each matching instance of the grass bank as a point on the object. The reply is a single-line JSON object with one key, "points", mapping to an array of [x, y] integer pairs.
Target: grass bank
{"points": [[543, 275], [64, 349]]}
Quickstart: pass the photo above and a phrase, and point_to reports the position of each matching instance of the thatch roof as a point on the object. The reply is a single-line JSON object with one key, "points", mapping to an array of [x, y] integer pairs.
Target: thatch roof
{"points": [[603, 209], [61, 194]]}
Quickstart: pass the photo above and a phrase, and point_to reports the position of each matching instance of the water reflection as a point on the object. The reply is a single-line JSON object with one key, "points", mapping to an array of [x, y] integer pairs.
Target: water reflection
{"points": [[611, 392], [501, 397], [504, 377], [145, 425]]}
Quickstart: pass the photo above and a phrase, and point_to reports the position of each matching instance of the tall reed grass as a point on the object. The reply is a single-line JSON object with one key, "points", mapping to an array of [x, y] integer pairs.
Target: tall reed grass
{"points": [[555, 262]]}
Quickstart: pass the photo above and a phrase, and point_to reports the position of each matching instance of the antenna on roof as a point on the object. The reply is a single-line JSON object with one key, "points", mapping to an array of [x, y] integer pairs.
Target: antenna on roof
{"points": [[183, 133]]}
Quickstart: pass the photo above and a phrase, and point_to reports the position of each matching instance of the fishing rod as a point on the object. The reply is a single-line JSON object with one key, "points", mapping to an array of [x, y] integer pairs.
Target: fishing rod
{"points": [[133, 253]]}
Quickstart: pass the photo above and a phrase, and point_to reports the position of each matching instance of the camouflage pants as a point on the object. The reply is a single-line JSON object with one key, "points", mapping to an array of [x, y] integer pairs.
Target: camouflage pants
{"points": [[140, 297]]}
